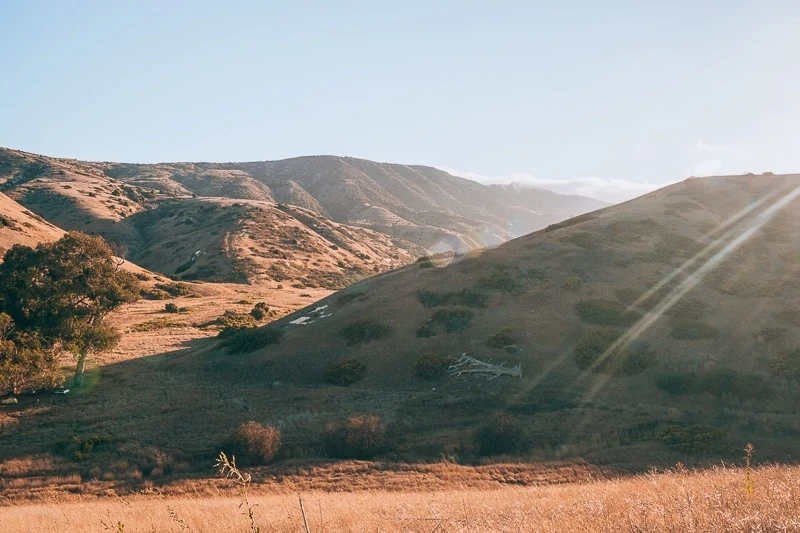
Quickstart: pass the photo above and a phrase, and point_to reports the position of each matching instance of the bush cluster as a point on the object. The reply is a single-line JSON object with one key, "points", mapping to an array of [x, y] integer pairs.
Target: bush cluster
{"points": [[453, 320], [693, 439], [432, 366], [345, 372], [501, 339], [255, 443], [786, 363], [175, 289], [259, 311], [247, 340], [676, 383], [365, 330], [358, 437]]}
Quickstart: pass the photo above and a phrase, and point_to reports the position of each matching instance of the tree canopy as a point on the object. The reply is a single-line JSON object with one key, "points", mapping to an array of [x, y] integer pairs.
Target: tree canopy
{"points": [[55, 297]]}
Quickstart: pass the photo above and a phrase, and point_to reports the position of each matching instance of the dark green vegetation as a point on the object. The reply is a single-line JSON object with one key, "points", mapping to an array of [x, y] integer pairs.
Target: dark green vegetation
{"points": [[345, 372], [432, 366], [364, 331], [55, 298]]}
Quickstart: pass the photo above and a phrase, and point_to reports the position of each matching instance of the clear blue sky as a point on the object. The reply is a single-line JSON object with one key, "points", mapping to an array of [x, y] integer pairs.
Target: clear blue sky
{"points": [[636, 91]]}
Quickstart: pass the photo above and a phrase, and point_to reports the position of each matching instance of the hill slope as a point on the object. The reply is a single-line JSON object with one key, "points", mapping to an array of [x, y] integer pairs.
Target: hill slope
{"points": [[422, 206], [715, 343], [213, 238]]}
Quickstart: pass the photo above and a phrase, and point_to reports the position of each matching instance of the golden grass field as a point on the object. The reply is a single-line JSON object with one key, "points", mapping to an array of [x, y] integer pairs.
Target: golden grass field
{"points": [[715, 499]]}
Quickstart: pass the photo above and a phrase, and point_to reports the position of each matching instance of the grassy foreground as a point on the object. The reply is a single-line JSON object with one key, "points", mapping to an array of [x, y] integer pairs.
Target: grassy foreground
{"points": [[718, 499]]}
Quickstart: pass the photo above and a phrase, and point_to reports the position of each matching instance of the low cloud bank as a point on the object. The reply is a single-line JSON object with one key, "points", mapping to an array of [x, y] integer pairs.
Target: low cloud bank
{"points": [[608, 190]]}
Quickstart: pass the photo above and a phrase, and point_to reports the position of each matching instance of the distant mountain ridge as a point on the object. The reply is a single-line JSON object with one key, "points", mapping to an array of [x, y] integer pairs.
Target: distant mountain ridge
{"points": [[407, 207]]}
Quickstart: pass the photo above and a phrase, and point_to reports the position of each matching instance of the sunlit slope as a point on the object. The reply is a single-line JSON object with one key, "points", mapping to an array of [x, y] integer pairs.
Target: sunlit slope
{"points": [[601, 357], [20, 226]]}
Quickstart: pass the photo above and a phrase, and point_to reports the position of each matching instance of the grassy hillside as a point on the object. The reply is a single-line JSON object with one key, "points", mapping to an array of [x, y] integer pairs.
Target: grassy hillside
{"points": [[660, 330]]}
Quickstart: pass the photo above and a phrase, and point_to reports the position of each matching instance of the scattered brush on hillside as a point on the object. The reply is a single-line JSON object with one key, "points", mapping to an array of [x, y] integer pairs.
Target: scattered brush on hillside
{"points": [[249, 340], [501, 436], [364, 331], [432, 366], [255, 443], [345, 372]]}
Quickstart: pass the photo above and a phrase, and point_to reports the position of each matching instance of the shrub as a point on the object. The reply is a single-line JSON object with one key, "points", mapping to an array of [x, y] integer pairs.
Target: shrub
{"points": [[259, 312], [175, 289], [255, 443], [503, 435], [605, 313], [731, 383], [432, 366], [6, 222], [358, 437], [693, 439], [691, 330], [501, 339], [676, 383], [232, 321], [171, 308], [345, 372], [365, 330], [572, 284], [247, 340], [453, 320], [465, 297], [141, 276], [786, 363]]}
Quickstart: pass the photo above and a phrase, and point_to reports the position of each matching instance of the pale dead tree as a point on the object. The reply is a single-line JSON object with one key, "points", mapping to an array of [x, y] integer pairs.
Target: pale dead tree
{"points": [[466, 366]]}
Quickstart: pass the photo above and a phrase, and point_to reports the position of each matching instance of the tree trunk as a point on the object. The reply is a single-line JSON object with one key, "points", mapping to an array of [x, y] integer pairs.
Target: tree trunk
{"points": [[78, 381]]}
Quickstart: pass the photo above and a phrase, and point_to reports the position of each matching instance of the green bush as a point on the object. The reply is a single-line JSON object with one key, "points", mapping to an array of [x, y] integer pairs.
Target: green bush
{"points": [[692, 330], [693, 439], [365, 330], [255, 443], [358, 437], [233, 322], [345, 372], [503, 435], [501, 339], [432, 366], [465, 297], [676, 383], [171, 308], [605, 313], [572, 284], [251, 339], [259, 312], [453, 320]]}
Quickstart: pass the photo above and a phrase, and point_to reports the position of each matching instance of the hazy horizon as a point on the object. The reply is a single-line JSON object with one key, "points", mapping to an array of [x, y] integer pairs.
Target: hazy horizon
{"points": [[604, 101]]}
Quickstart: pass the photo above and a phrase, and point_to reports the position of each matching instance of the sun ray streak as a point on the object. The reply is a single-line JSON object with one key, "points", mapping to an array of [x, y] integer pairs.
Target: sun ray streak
{"points": [[689, 283]]}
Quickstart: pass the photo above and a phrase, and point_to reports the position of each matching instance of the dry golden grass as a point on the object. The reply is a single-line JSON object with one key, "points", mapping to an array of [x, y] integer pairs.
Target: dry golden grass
{"points": [[676, 501]]}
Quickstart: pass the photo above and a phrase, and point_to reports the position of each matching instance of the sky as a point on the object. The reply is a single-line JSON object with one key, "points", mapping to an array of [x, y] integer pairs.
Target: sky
{"points": [[610, 99]]}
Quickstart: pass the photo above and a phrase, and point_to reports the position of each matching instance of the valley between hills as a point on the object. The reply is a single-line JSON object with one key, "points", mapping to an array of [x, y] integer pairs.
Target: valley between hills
{"points": [[659, 331]]}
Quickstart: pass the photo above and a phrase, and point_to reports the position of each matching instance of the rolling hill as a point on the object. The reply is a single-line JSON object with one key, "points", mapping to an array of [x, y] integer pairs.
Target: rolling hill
{"points": [[630, 324], [374, 216], [660, 330]]}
